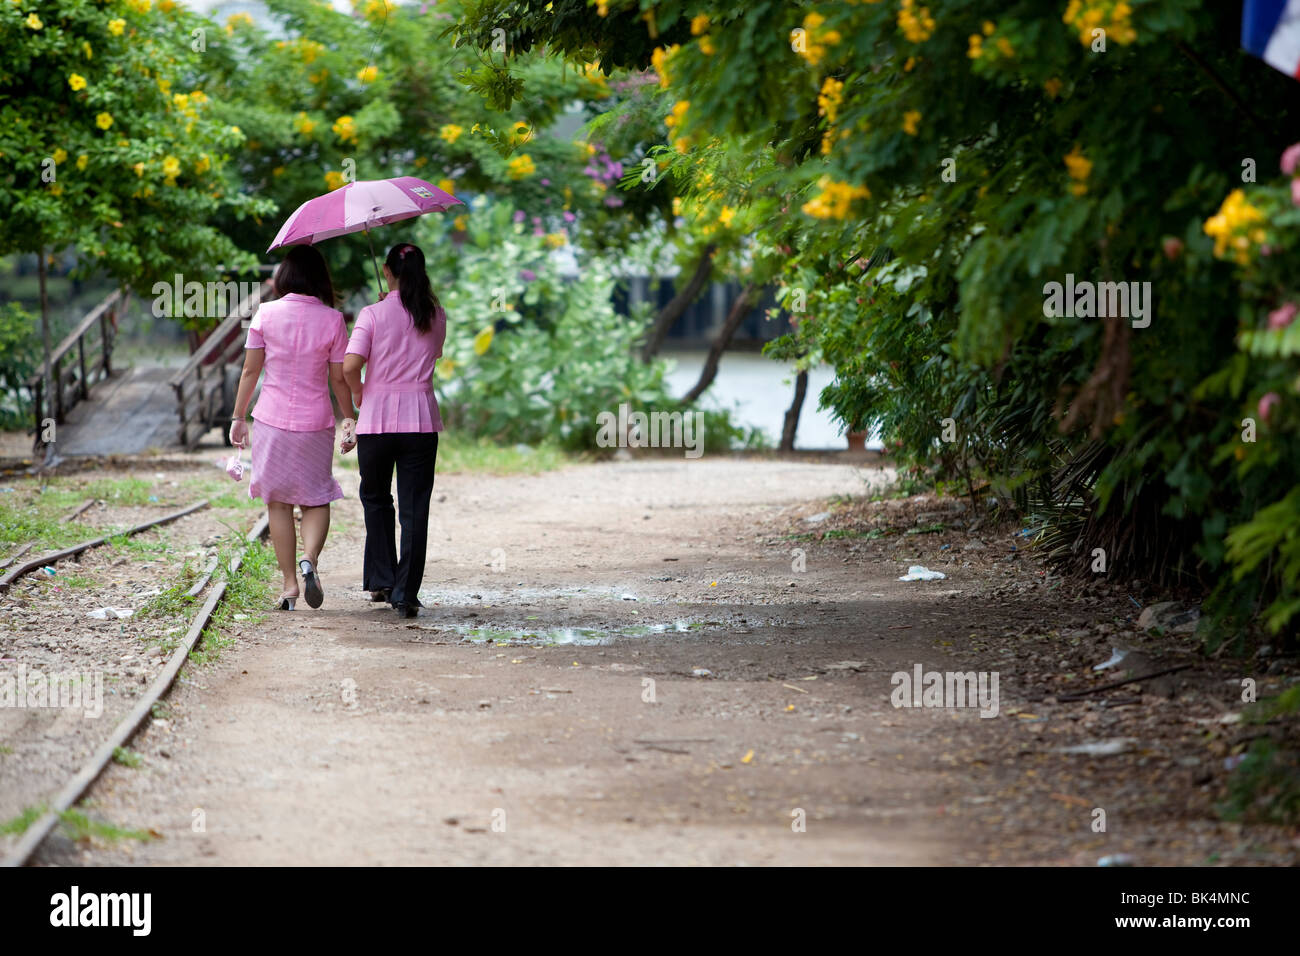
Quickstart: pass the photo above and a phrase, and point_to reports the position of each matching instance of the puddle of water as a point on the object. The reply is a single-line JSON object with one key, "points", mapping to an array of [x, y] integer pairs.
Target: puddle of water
{"points": [[584, 636]]}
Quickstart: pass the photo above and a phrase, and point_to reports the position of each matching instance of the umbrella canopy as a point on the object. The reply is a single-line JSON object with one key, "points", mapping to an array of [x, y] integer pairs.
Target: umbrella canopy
{"points": [[359, 206]]}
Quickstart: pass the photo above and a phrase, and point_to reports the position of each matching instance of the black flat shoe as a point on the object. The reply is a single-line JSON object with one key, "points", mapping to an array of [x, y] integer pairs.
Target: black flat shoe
{"points": [[314, 593], [407, 610], [381, 596]]}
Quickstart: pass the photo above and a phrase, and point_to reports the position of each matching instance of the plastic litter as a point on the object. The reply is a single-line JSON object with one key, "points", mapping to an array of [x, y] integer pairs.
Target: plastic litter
{"points": [[919, 573], [49, 571], [111, 613], [701, 672], [1117, 859], [1102, 748], [1117, 655]]}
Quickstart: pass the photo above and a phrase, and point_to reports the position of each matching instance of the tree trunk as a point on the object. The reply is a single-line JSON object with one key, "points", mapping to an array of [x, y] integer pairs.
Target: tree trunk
{"points": [[792, 415], [739, 309], [676, 307]]}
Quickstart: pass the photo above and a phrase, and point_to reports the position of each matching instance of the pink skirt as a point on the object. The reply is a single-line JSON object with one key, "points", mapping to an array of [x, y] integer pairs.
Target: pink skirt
{"points": [[296, 468]]}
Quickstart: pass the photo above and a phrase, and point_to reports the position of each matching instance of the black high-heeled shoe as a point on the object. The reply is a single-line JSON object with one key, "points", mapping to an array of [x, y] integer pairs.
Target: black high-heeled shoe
{"points": [[407, 610], [311, 584], [381, 596]]}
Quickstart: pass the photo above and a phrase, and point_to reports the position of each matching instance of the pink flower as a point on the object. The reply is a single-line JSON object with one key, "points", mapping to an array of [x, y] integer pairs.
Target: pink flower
{"points": [[1282, 316], [1266, 404], [1295, 192], [1173, 247], [1290, 158]]}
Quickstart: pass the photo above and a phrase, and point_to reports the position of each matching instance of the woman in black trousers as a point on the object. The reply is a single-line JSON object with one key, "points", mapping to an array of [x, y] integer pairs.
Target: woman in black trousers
{"points": [[397, 341]]}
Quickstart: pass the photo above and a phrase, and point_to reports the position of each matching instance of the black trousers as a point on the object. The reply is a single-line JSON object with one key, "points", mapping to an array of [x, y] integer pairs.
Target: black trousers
{"points": [[413, 454]]}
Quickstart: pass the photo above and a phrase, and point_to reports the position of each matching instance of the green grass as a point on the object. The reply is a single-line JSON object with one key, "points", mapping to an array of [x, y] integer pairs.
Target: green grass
{"points": [[247, 592], [172, 600], [81, 828], [16, 826], [127, 757], [457, 454]]}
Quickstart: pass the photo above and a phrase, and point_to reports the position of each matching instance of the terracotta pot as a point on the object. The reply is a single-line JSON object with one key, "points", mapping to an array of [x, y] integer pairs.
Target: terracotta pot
{"points": [[857, 441]]}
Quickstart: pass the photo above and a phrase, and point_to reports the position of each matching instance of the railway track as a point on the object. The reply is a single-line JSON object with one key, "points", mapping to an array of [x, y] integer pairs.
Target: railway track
{"points": [[46, 559], [76, 787]]}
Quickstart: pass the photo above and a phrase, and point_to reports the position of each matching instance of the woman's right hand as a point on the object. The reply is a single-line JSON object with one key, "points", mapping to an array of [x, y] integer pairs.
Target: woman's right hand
{"points": [[239, 433]]}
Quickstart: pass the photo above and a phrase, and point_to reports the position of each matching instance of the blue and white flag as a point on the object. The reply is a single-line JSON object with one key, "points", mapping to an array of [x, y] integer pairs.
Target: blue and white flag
{"points": [[1270, 29]]}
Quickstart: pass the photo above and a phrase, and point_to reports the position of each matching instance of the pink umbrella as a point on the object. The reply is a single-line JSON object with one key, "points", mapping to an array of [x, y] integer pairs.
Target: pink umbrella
{"points": [[358, 206]]}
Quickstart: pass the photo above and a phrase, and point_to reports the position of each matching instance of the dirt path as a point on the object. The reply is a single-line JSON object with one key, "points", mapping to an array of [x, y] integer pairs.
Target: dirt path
{"points": [[572, 727]]}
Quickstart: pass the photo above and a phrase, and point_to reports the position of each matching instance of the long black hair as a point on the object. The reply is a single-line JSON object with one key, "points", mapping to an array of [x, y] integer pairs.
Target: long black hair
{"points": [[406, 263], [304, 271]]}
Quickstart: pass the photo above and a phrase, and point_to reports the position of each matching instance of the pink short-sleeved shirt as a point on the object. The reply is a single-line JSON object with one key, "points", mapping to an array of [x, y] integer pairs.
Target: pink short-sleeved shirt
{"points": [[301, 336], [398, 388]]}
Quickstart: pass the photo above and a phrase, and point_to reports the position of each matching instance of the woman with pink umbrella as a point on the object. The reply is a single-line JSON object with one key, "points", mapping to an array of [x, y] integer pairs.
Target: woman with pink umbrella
{"points": [[299, 339], [397, 341]]}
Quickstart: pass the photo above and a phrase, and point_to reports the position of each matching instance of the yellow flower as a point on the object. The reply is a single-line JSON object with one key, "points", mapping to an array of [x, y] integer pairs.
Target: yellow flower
{"points": [[367, 74], [1235, 225], [104, 120], [304, 124], [376, 11], [445, 368], [334, 179], [699, 24], [835, 199], [1005, 47], [116, 27], [1085, 16], [1077, 165], [198, 96], [203, 164], [139, 169], [278, 171], [460, 223], [181, 101], [1052, 87], [829, 99], [60, 155], [345, 129], [76, 81], [556, 239], [142, 6], [976, 48], [171, 167], [677, 114], [659, 60], [56, 189], [166, 6], [707, 47], [917, 24], [483, 341], [33, 22], [451, 132], [237, 19], [521, 166], [726, 215], [87, 50], [816, 40], [447, 185], [910, 120], [82, 160], [988, 28]]}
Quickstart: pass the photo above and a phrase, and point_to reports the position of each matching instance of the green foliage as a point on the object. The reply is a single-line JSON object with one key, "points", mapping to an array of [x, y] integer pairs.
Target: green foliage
{"points": [[99, 154], [20, 351]]}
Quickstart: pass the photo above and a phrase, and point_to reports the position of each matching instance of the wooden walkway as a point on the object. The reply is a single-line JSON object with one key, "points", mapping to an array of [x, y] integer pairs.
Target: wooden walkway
{"points": [[131, 412]]}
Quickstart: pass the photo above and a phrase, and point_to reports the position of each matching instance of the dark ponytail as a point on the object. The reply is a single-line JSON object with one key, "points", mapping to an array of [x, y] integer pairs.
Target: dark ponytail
{"points": [[406, 263]]}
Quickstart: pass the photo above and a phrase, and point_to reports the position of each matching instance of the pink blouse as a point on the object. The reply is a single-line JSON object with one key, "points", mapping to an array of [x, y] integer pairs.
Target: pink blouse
{"points": [[397, 393], [301, 336]]}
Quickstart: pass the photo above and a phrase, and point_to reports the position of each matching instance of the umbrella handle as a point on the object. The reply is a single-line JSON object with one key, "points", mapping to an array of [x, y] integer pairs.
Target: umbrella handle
{"points": [[379, 283]]}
